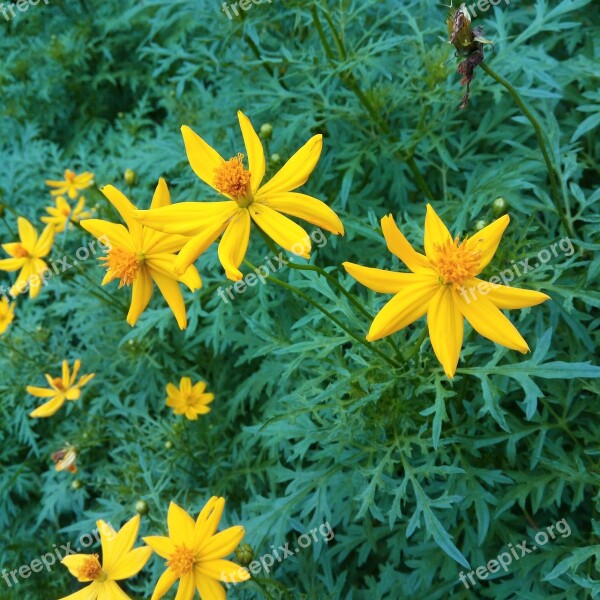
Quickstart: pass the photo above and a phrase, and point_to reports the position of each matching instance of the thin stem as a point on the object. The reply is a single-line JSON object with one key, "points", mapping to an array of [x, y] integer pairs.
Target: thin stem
{"points": [[541, 141]]}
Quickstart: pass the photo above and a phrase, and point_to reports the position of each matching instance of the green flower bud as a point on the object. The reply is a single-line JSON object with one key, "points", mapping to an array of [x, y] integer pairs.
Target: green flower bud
{"points": [[266, 131], [168, 444], [130, 177], [480, 224], [244, 554], [275, 158], [141, 506], [499, 207], [76, 484]]}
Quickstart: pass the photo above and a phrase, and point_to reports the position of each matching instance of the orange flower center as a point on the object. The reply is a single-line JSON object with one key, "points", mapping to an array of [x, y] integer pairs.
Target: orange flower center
{"points": [[182, 561], [20, 251], [66, 211], [58, 382], [123, 265], [233, 179], [455, 262], [91, 569], [70, 176]]}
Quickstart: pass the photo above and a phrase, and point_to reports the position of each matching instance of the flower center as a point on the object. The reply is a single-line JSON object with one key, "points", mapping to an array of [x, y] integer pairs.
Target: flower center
{"points": [[123, 265], [70, 176], [66, 211], [456, 262], [20, 252], [182, 561], [90, 569], [233, 179], [58, 383]]}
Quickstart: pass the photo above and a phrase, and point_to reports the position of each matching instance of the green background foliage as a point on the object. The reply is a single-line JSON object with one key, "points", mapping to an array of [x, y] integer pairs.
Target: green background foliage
{"points": [[418, 476]]}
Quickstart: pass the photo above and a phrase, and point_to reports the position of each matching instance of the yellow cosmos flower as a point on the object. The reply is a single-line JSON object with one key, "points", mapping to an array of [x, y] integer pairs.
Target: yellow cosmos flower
{"points": [[189, 400], [444, 286], [139, 256], [120, 560], [27, 255], [71, 184], [61, 389], [194, 553], [63, 213], [7, 314], [248, 201]]}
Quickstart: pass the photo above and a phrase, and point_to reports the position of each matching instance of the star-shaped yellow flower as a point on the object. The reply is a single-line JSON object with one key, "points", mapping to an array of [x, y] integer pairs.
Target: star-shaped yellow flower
{"points": [[7, 314], [63, 213], [189, 400], [194, 553], [248, 201], [61, 389], [119, 561], [27, 255], [71, 184], [444, 286], [139, 256]]}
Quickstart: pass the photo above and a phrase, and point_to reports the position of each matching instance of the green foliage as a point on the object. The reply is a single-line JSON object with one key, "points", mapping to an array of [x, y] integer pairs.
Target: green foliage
{"points": [[420, 477]]}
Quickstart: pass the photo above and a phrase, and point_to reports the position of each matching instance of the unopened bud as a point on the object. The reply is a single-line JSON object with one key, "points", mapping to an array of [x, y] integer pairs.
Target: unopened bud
{"points": [[141, 507], [76, 484], [499, 206], [275, 158], [480, 225], [168, 444], [130, 177], [244, 554], [266, 131]]}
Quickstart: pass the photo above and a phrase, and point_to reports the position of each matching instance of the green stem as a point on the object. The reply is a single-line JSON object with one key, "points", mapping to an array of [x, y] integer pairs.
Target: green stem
{"points": [[417, 345], [541, 141], [341, 325]]}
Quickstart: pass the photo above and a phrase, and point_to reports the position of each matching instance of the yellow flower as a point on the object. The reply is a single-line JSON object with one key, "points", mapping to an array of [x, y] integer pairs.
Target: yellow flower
{"points": [[139, 256], [248, 201], [443, 285], [72, 184], [119, 561], [7, 314], [189, 400], [63, 213], [61, 389], [64, 460], [27, 255], [194, 553]]}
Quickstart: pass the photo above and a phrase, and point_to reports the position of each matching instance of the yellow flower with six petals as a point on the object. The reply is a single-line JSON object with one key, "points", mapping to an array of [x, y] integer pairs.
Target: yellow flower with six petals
{"points": [[139, 256], [194, 553], [7, 314], [71, 184], [248, 201], [189, 400], [63, 213], [443, 285], [27, 255], [61, 389], [120, 560]]}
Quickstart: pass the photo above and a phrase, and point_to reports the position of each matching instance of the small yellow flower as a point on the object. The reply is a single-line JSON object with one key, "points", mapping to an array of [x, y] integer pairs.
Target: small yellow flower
{"points": [[71, 184], [61, 389], [120, 560], [7, 314], [139, 256], [444, 286], [248, 201], [195, 553], [63, 213], [64, 460], [189, 400], [27, 255]]}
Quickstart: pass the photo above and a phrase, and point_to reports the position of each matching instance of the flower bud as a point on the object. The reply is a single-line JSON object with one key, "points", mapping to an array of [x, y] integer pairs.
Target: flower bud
{"points": [[130, 176], [244, 554], [275, 158], [499, 207], [480, 224], [266, 131], [168, 444], [141, 507], [76, 484]]}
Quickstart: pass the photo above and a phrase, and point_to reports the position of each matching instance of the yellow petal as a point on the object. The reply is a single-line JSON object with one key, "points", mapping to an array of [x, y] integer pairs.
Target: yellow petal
{"points": [[44, 244], [487, 239], [379, 280], [296, 170], [116, 234], [40, 392], [140, 297], [164, 584], [223, 570], [121, 544], [181, 525], [187, 587], [130, 564], [89, 592], [398, 245], [204, 159], [169, 288], [234, 244], [489, 322], [163, 546], [161, 197], [75, 562], [254, 149], [436, 233], [404, 308], [221, 544], [124, 207], [48, 409], [304, 207], [445, 323], [503, 296], [209, 589], [109, 590], [12, 264], [27, 233], [196, 246], [281, 230], [208, 520]]}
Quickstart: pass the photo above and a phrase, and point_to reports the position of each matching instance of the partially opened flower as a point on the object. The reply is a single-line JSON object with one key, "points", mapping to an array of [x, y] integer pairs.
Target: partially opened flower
{"points": [[120, 560], [72, 184], [27, 255], [65, 459], [189, 400], [248, 201], [63, 213], [61, 389], [140, 257], [195, 553], [443, 285], [7, 314]]}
